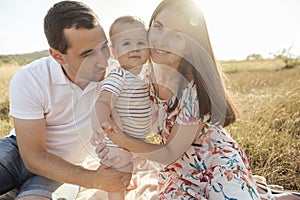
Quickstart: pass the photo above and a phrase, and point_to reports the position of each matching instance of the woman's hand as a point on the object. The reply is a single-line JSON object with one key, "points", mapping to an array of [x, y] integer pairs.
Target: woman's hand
{"points": [[116, 135]]}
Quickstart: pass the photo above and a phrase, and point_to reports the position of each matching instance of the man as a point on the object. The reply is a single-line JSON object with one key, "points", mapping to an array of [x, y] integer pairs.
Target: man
{"points": [[51, 100]]}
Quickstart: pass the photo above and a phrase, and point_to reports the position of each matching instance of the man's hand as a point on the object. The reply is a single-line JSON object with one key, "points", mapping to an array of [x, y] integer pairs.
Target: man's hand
{"points": [[111, 180]]}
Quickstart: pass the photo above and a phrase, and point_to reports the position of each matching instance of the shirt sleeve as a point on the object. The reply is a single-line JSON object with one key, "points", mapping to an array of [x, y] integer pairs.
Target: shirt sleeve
{"points": [[25, 97], [188, 113], [114, 81]]}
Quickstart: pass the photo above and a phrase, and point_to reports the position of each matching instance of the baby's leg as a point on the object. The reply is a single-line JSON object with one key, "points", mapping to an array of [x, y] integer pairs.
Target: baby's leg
{"points": [[116, 195], [123, 165], [139, 165]]}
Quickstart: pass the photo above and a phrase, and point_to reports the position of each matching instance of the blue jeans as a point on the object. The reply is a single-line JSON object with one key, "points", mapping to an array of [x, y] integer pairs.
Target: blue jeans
{"points": [[13, 174]]}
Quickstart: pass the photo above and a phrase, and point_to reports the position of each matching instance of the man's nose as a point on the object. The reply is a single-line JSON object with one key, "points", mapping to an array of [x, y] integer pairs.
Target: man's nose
{"points": [[103, 54], [102, 60]]}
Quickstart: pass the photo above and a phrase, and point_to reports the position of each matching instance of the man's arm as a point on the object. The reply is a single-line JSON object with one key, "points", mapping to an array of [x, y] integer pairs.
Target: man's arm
{"points": [[31, 138]]}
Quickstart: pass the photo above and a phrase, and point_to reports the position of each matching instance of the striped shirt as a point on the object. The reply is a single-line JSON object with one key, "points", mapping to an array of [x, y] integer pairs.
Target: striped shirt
{"points": [[133, 101]]}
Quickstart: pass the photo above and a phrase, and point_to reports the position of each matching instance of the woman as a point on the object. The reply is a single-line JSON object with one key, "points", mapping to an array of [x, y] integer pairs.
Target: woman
{"points": [[190, 108]]}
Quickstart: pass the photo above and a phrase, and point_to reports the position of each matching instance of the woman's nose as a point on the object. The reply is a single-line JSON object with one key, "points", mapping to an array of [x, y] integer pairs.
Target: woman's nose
{"points": [[159, 39]]}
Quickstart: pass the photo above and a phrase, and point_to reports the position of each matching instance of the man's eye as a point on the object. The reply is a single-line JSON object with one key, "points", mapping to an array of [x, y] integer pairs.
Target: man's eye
{"points": [[104, 47], [88, 54]]}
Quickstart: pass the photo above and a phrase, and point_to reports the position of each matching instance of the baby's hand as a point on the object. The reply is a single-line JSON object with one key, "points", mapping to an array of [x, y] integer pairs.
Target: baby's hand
{"points": [[97, 136], [98, 140]]}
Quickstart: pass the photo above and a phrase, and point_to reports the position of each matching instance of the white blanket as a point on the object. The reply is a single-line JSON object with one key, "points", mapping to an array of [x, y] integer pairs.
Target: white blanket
{"points": [[145, 180]]}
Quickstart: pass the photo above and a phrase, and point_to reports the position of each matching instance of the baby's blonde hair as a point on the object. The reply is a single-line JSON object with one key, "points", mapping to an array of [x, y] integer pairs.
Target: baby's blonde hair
{"points": [[126, 20]]}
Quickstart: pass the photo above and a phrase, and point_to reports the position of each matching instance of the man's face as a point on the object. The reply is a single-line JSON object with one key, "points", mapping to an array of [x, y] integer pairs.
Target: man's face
{"points": [[86, 58]]}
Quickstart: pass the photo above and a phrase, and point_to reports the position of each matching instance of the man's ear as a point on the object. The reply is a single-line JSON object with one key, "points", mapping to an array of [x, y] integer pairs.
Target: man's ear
{"points": [[57, 56]]}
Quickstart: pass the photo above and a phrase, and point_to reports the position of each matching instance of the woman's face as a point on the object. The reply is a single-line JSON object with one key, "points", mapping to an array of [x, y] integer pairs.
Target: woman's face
{"points": [[167, 38]]}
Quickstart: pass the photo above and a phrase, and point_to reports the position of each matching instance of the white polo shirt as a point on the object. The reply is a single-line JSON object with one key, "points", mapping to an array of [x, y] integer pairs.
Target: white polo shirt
{"points": [[41, 90]]}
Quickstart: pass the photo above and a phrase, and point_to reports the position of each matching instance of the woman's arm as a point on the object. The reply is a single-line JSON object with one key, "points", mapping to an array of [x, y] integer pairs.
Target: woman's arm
{"points": [[180, 139]]}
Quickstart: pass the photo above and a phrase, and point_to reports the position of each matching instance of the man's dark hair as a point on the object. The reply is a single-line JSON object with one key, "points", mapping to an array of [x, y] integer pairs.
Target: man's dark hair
{"points": [[64, 15]]}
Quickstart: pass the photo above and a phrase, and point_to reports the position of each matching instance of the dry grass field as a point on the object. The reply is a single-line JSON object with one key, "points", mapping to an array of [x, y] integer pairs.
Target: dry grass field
{"points": [[268, 128], [268, 100], [6, 72]]}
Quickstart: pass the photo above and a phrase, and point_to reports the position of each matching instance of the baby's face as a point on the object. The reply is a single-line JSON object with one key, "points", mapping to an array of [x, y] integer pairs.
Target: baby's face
{"points": [[131, 46]]}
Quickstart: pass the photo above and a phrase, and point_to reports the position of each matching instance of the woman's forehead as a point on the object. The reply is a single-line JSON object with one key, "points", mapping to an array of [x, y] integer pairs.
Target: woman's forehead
{"points": [[170, 19]]}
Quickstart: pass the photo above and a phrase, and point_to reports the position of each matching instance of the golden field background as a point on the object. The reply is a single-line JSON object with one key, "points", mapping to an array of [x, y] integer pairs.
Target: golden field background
{"points": [[268, 99]]}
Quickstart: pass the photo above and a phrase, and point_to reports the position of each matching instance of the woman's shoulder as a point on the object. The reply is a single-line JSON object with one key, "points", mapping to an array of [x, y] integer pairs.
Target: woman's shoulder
{"points": [[189, 94]]}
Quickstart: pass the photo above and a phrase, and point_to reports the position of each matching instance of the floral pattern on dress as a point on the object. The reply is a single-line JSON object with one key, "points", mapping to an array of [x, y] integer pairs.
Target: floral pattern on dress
{"points": [[214, 167]]}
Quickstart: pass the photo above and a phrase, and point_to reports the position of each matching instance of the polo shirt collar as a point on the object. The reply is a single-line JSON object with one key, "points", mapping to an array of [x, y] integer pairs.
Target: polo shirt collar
{"points": [[58, 76]]}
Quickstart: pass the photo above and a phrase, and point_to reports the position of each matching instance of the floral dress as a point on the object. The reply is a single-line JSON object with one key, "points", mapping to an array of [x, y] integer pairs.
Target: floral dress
{"points": [[214, 167]]}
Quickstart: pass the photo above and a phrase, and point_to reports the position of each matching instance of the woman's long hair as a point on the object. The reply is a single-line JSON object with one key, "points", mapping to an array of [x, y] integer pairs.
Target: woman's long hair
{"points": [[200, 62]]}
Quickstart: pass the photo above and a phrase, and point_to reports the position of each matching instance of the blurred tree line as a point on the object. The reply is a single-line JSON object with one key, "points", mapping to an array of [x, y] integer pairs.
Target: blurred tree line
{"points": [[21, 59], [285, 55], [290, 60]]}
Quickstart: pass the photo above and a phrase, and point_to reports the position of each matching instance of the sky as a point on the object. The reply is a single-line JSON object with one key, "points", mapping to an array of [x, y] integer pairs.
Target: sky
{"points": [[237, 28]]}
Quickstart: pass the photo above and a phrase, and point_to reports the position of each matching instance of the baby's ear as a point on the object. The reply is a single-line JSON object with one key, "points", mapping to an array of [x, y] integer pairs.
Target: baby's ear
{"points": [[113, 51]]}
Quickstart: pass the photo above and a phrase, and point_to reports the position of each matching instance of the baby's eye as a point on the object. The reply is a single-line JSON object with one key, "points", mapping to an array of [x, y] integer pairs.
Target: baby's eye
{"points": [[125, 44], [141, 43]]}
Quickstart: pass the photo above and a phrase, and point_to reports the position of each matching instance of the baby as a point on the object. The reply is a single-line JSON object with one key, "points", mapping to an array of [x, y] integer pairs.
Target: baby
{"points": [[124, 94]]}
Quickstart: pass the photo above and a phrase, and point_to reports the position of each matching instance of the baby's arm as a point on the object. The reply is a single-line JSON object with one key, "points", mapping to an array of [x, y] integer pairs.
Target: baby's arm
{"points": [[103, 107], [103, 110], [101, 113]]}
